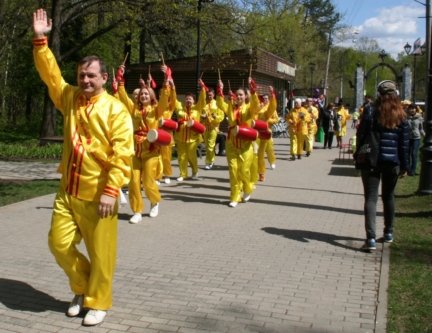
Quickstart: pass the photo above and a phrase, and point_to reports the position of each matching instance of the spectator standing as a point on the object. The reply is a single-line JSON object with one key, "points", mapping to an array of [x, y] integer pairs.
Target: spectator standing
{"points": [[415, 121], [388, 119]]}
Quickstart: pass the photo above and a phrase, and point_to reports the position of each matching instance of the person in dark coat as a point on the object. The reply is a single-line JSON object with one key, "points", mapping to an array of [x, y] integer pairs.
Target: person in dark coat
{"points": [[387, 117], [329, 124]]}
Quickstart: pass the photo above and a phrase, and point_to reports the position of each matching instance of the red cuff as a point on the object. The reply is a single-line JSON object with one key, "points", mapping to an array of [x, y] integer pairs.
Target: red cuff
{"points": [[40, 41], [111, 191]]}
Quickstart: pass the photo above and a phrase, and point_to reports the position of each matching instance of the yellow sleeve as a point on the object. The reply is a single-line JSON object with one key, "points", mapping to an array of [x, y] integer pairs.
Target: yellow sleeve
{"points": [[254, 106], [50, 73], [125, 99], [164, 101], [271, 107], [201, 100], [219, 115], [121, 138], [221, 104]]}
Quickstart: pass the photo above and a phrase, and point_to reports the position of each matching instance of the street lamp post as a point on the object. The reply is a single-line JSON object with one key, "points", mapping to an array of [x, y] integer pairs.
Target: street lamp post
{"points": [[312, 69], [425, 184], [417, 51], [198, 50]]}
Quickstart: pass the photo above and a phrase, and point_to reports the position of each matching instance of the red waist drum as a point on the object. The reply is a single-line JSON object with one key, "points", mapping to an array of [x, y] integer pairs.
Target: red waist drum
{"points": [[159, 136], [260, 125], [246, 133], [265, 135], [168, 124], [196, 126]]}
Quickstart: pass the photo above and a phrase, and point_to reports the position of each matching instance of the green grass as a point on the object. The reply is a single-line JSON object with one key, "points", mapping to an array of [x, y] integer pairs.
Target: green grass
{"points": [[29, 150], [15, 191], [410, 281]]}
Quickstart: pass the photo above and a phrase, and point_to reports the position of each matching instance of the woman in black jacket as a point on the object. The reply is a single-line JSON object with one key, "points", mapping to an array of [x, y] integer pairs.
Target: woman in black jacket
{"points": [[329, 124], [388, 119]]}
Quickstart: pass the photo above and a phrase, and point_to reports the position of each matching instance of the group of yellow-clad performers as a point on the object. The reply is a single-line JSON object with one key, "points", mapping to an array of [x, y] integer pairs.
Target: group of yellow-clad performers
{"points": [[195, 123], [302, 127]]}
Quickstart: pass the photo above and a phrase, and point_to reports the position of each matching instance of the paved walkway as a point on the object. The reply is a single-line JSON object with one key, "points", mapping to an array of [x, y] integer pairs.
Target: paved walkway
{"points": [[288, 261]]}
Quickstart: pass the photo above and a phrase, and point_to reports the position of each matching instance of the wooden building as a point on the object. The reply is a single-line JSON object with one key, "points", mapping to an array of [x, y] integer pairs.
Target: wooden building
{"points": [[267, 69]]}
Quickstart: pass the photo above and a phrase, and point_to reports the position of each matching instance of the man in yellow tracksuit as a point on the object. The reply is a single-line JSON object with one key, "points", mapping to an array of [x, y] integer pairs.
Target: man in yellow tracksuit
{"points": [[312, 127], [265, 113], [211, 116], [186, 138], [96, 163]]}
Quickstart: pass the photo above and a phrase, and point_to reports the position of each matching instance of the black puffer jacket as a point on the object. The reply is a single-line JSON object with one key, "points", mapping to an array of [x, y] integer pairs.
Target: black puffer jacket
{"points": [[394, 143]]}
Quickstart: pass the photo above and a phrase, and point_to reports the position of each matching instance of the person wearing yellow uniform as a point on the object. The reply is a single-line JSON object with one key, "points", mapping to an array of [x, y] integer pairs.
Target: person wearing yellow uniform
{"points": [[342, 115], [96, 163], [297, 120], [239, 152], [166, 151], [267, 110], [271, 157], [187, 139], [211, 117], [146, 162], [312, 127]]}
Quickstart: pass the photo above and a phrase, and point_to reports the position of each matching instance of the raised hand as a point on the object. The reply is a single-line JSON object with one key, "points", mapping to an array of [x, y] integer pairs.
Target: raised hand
{"points": [[271, 89], [120, 73], [41, 24]]}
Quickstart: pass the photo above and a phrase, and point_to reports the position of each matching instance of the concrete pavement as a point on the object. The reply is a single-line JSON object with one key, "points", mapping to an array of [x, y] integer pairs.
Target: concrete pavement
{"points": [[287, 261]]}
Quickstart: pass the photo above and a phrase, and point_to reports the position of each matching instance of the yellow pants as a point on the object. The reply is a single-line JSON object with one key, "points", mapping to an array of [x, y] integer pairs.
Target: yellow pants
{"points": [[270, 152], [239, 165], [210, 136], [254, 166], [187, 153], [311, 139], [261, 156], [144, 170], [72, 220], [166, 154], [301, 138], [293, 143]]}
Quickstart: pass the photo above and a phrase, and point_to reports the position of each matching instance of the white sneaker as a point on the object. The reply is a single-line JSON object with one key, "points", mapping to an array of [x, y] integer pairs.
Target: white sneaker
{"points": [[94, 317], [167, 180], [157, 182], [246, 198], [209, 166], [180, 179], [154, 211], [233, 204], [195, 176], [75, 306], [136, 218], [273, 166]]}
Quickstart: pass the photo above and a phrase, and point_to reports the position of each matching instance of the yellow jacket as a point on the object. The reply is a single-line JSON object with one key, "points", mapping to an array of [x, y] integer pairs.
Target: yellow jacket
{"points": [[98, 139], [211, 115], [298, 120], [239, 116], [185, 133], [145, 119], [314, 114], [268, 110]]}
